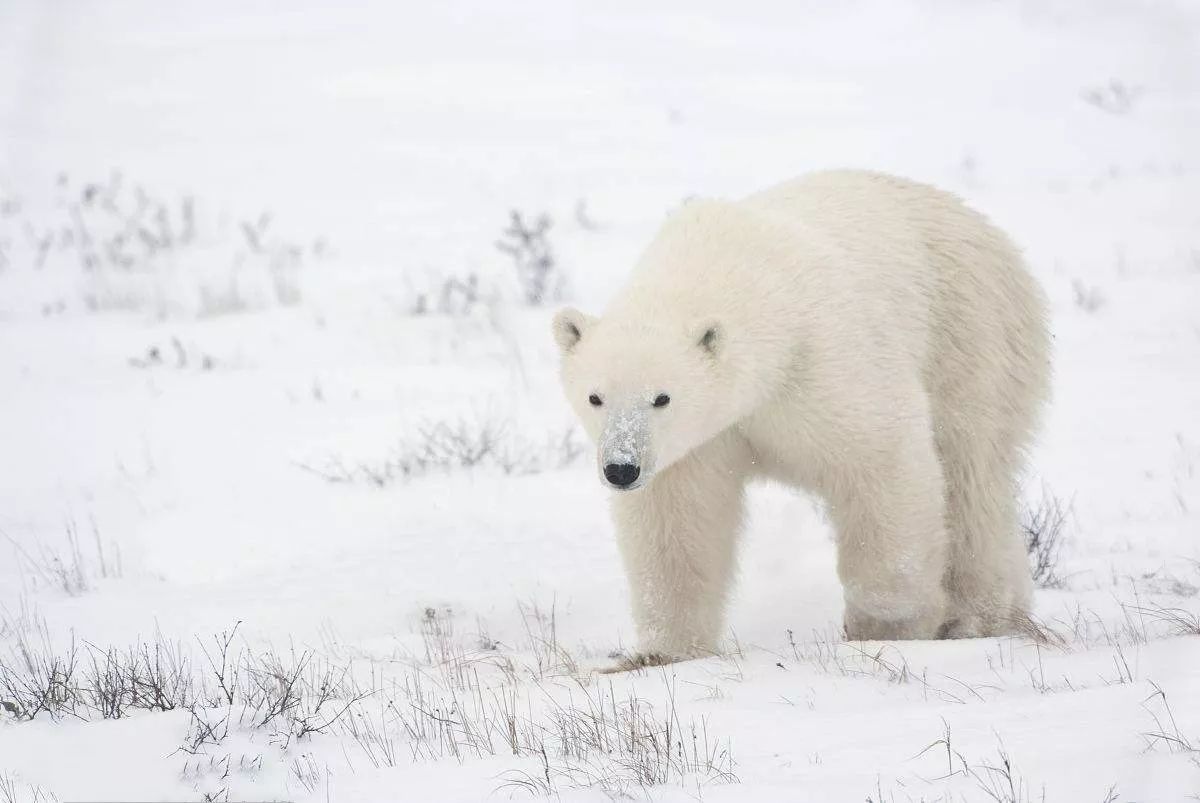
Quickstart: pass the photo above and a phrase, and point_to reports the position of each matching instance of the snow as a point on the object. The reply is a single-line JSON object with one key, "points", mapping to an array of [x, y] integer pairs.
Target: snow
{"points": [[230, 478], [622, 441]]}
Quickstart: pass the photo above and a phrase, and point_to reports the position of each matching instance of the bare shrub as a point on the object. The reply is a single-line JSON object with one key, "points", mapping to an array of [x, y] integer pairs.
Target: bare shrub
{"points": [[527, 244], [104, 683], [1043, 526], [298, 696], [1161, 581], [294, 694], [1088, 298], [468, 443], [36, 679], [184, 357], [131, 249], [1115, 97], [150, 677], [207, 727], [453, 703], [444, 294]]}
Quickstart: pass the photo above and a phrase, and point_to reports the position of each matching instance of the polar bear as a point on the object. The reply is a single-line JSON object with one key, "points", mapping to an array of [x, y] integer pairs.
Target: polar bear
{"points": [[865, 337]]}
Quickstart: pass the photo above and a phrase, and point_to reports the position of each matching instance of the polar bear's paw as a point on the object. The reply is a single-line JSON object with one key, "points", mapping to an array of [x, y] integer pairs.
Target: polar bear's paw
{"points": [[862, 626], [631, 662]]}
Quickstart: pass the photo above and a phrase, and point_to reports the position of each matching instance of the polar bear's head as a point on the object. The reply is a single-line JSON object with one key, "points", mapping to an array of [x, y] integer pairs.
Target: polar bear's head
{"points": [[646, 393]]}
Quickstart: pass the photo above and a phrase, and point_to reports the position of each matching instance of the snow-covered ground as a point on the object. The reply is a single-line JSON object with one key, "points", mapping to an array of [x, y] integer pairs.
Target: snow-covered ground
{"points": [[236, 415]]}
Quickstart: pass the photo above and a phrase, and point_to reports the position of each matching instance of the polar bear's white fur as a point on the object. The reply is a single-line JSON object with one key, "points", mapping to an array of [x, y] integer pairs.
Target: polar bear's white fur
{"points": [[862, 336]]}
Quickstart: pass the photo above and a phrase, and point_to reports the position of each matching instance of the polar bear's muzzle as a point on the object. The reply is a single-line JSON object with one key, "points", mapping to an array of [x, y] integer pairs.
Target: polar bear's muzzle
{"points": [[624, 450], [622, 475]]}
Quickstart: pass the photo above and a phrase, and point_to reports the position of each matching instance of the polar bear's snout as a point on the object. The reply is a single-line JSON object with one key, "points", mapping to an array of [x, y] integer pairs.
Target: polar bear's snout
{"points": [[624, 453], [621, 475]]}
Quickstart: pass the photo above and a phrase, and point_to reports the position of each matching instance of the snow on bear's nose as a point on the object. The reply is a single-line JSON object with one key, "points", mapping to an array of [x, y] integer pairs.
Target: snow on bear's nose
{"points": [[623, 446]]}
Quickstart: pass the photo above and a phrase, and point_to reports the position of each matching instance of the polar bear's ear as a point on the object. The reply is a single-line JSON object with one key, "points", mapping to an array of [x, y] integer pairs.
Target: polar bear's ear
{"points": [[710, 337], [569, 326]]}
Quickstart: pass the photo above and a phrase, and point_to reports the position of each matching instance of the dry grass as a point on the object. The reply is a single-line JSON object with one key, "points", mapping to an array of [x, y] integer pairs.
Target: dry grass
{"points": [[599, 739], [828, 654], [13, 790], [1166, 731], [71, 568], [996, 778]]}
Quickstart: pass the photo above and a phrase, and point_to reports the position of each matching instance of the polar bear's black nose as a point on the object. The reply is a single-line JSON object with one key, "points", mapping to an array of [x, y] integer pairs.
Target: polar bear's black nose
{"points": [[621, 474]]}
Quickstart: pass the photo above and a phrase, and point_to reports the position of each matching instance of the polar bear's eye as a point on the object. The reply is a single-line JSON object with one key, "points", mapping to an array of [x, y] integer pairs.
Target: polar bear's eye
{"points": [[594, 400], [662, 400]]}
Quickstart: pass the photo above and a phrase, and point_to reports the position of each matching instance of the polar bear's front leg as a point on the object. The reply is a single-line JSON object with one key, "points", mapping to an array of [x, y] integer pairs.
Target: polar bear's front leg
{"points": [[677, 537], [892, 543]]}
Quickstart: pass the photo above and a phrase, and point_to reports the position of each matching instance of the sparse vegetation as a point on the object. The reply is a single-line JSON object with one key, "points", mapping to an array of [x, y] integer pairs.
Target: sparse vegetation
{"points": [[121, 246], [1115, 97], [1044, 526], [617, 745], [996, 778], [1166, 730], [453, 702], [1088, 298], [468, 443], [13, 790], [445, 294], [528, 245], [74, 568], [538, 275]]}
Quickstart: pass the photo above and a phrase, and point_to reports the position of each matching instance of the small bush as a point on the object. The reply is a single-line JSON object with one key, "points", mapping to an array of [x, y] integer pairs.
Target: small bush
{"points": [[1087, 297], [149, 677], [528, 245], [36, 679], [294, 694], [1043, 526]]}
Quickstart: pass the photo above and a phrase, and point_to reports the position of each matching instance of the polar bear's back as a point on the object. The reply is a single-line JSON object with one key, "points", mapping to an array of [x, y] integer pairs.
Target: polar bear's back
{"points": [[945, 269], [939, 284]]}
